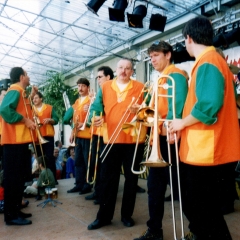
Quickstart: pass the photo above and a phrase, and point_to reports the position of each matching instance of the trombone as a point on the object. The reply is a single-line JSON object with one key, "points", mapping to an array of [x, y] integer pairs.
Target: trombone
{"points": [[88, 112], [90, 154], [155, 159], [118, 129], [36, 120]]}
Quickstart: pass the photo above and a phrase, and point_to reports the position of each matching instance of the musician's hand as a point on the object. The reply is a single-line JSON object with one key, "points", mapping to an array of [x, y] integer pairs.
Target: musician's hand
{"points": [[176, 125], [97, 121], [134, 108], [79, 125], [85, 107], [33, 91], [172, 138], [47, 121], [29, 123]]}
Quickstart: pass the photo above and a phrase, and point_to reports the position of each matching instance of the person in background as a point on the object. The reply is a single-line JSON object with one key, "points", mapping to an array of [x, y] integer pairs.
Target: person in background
{"points": [[209, 134], [61, 156], [47, 118], [80, 137], [70, 166], [16, 121], [58, 164], [46, 180], [104, 74]]}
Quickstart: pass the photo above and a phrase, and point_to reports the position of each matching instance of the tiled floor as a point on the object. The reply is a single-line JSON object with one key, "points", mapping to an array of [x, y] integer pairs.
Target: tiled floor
{"points": [[70, 219]]}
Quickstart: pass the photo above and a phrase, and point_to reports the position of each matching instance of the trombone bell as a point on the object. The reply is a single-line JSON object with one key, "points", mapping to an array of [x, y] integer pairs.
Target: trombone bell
{"points": [[156, 163], [40, 138]]}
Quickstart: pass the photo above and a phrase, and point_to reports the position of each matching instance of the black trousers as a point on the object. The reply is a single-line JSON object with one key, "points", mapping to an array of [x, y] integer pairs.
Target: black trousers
{"points": [[48, 149], [158, 179], [16, 158], [81, 162], [120, 154], [202, 193]]}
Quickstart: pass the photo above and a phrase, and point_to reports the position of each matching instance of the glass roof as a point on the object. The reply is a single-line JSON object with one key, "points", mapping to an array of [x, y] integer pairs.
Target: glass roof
{"points": [[60, 35]]}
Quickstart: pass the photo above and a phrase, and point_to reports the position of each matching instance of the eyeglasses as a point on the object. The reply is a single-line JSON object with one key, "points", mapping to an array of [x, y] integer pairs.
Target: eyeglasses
{"points": [[156, 42]]}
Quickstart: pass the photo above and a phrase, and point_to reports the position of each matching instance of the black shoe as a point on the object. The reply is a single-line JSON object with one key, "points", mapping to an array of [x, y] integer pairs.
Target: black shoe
{"points": [[191, 236], [92, 196], [150, 236], [73, 190], [24, 215], [168, 198], [84, 191], [19, 221], [26, 202], [140, 190], [98, 224], [128, 222], [96, 202]]}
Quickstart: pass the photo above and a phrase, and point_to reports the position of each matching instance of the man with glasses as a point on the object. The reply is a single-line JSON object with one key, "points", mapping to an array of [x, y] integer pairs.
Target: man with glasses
{"points": [[104, 74], [209, 134], [161, 55], [118, 100]]}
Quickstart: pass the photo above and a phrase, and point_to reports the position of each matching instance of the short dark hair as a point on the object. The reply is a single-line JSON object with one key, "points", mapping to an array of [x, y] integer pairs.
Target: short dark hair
{"points": [[200, 30], [41, 160], [15, 74], [39, 95], [57, 143], [106, 71], [161, 46], [83, 81]]}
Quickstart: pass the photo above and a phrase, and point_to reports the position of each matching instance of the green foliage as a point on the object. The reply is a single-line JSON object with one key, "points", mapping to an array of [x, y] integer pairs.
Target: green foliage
{"points": [[53, 92], [72, 95]]}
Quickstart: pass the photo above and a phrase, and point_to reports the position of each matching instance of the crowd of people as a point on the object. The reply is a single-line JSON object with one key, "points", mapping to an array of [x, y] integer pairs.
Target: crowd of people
{"points": [[204, 122]]}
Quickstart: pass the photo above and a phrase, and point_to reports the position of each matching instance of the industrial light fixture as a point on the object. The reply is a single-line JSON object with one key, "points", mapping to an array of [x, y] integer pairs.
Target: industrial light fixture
{"points": [[135, 19], [94, 5], [225, 37], [117, 12], [157, 22]]}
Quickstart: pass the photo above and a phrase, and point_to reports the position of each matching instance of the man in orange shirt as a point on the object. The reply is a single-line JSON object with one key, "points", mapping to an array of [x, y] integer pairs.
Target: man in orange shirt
{"points": [[114, 100], [81, 135], [17, 126], [209, 134], [47, 118]]}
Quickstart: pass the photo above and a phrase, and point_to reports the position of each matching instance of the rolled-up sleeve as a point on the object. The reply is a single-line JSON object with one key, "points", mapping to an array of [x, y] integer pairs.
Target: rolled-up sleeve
{"points": [[209, 92]]}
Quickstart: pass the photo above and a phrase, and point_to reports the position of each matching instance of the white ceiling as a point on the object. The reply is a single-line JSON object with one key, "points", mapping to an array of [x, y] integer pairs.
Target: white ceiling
{"points": [[42, 35]]}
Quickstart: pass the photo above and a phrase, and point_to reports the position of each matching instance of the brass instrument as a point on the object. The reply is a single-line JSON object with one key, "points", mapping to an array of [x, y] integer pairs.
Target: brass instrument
{"points": [[90, 154], [155, 159], [121, 123], [36, 120], [88, 112], [74, 129]]}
